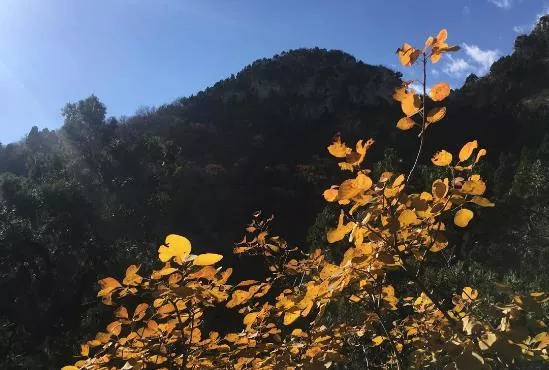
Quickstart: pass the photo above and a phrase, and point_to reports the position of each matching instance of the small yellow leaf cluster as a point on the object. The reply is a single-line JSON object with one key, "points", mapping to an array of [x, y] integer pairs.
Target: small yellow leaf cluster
{"points": [[412, 103]]}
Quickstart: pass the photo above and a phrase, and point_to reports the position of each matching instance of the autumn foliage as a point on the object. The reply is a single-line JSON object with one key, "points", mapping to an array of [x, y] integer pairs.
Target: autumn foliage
{"points": [[387, 233]]}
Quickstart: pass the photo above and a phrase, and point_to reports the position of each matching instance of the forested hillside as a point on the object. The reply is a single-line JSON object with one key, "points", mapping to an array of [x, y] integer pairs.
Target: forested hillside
{"points": [[100, 193]]}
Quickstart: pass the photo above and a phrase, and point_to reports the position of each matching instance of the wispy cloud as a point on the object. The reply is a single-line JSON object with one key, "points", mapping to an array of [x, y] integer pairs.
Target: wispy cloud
{"points": [[465, 10], [502, 4], [527, 28], [484, 58], [457, 67]]}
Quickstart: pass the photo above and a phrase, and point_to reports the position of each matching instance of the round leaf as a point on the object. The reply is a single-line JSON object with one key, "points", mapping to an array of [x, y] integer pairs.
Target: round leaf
{"points": [[442, 158], [462, 217], [440, 91], [405, 123]]}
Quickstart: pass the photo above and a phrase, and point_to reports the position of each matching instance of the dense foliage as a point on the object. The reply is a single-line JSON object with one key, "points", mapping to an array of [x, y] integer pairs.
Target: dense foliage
{"points": [[99, 193]]}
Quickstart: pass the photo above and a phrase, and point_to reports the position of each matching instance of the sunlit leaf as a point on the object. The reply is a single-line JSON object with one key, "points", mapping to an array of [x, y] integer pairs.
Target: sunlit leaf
{"points": [[175, 246], [442, 158], [467, 150], [207, 259], [405, 123], [462, 217], [436, 114], [440, 91]]}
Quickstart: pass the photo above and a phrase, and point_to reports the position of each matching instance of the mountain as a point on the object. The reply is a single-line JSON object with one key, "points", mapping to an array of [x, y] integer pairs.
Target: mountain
{"points": [[78, 203]]}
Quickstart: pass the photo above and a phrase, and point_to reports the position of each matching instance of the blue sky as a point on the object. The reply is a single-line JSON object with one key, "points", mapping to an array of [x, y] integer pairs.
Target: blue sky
{"points": [[133, 53]]}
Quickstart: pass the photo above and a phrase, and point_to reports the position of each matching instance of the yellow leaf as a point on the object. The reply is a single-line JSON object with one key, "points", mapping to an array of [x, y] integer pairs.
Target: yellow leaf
{"points": [[429, 42], [132, 278], [175, 246], [407, 54], [467, 150], [487, 340], [84, 350], [330, 194], [207, 259], [473, 187], [250, 318], [140, 311], [114, 327], [442, 36], [436, 114], [335, 235], [481, 153], [481, 201], [107, 286], [291, 315], [440, 91], [462, 217], [407, 217], [469, 294], [339, 149], [410, 104], [378, 340], [442, 158], [69, 368], [405, 123], [435, 57], [400, 93]]}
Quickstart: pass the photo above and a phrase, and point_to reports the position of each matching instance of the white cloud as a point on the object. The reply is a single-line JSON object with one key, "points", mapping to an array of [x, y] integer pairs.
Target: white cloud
{"points": [[502, 4], [525, 28], [435, 72], [544, 11], [417, 87], [484, 58], [465, 10], [457, 67]]}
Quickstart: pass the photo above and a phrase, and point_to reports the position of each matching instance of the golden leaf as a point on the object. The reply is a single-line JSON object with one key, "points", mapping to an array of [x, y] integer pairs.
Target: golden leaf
{"points": [[487, 340], [467, 150], [378, 340], [462, 217], [481, 153], [410, 104], [114, 328], [405, 123], [140, 311], [400, 94], [107, 286], [440, 91], [473, 187], [331, 194], [481, 201], [442, 36], [407, 217], [407, 54], [339, 149], [291, 315], [442, 158], [436, 114], [132, 278], [175, 246], [207, 259], [429, 42], [469, 294], [70, 368], [84, 350], [337, 234]]}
